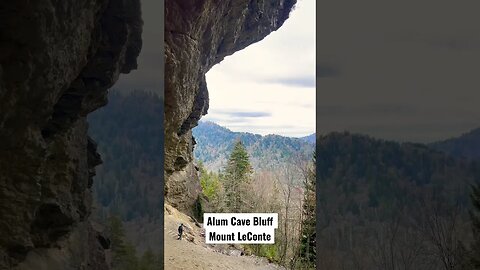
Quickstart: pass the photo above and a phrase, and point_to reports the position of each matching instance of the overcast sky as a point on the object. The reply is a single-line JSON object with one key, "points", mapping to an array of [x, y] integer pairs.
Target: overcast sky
{"points": [[406, 70], [149, 73], [403, 70], [269, 87]]}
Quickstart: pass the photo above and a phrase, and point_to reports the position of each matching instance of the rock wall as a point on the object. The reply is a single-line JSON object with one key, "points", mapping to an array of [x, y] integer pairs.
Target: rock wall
{"points": [[57, 60], [198, 35]]}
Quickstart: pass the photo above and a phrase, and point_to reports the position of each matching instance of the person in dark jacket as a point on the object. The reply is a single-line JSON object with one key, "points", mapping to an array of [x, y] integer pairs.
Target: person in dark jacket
{"points": [[180, 231]]}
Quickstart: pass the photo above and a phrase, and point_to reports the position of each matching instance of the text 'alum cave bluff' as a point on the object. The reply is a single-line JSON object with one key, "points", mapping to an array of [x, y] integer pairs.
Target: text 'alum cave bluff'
{"points": [[57, 61]]}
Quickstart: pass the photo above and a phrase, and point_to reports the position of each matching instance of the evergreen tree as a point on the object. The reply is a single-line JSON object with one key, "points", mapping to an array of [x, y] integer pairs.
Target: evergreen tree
{"points": [[308, 240], [123, 253], [475, 216], [117, 238], [210, 182], [237, 178]]}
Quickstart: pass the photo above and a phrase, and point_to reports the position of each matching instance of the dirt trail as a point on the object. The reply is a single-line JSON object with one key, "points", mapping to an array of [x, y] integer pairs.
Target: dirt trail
{"points": [[192, 253]]}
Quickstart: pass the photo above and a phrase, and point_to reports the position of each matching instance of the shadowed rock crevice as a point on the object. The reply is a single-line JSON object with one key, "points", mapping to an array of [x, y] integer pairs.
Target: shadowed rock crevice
{"points": [[200, 108], [198, 35], [50, 223]]}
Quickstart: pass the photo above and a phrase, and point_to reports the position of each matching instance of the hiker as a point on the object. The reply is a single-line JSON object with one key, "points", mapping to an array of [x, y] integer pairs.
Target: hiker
{"points": [[180, 231]]}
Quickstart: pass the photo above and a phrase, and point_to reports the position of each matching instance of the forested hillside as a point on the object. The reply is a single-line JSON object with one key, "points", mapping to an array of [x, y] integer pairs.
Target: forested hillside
{"points": [[386, 205], [288, 189], [467, 145], [214, 143], [129, 132]]}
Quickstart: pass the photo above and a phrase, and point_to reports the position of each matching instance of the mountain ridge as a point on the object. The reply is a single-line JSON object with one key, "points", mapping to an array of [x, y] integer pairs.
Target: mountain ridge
{"points": [[466, 145], [310, 138], [214, 143]]}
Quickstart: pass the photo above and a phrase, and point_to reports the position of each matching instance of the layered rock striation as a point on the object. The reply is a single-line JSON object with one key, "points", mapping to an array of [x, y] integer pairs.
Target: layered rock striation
{"points": [[57, 61], [198, 35]]}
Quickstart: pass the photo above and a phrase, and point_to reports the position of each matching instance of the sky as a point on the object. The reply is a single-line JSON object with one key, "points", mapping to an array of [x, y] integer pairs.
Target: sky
{"points": [[403, 70], [269, 87], [149, 73]]}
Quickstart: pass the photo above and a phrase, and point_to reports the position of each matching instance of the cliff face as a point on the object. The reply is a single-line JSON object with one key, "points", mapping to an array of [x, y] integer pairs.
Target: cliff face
{"points": [[57, 60], [198, 35]]}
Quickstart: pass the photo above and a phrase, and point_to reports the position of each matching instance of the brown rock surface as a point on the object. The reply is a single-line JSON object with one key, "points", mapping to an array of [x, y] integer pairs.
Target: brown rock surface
{"points": [[57, 60]]}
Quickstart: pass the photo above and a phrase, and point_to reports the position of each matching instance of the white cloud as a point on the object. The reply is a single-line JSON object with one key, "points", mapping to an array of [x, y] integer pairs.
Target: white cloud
{"points": [[273, 76]]}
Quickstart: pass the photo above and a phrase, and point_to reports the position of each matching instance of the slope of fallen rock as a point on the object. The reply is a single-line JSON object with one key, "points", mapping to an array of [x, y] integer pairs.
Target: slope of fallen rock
{"points": [[191, 253]]}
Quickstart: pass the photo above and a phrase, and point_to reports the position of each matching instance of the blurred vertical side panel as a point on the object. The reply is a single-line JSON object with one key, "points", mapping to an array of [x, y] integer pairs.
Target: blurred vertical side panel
{"points": [[129, 131]]}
